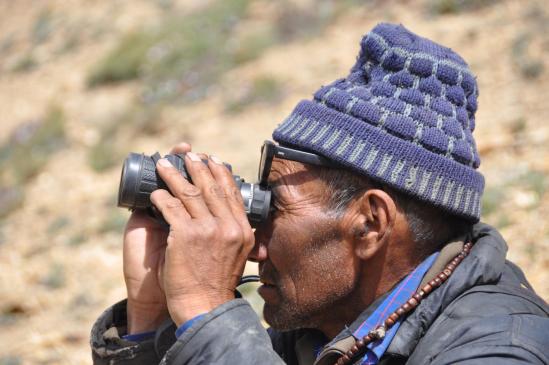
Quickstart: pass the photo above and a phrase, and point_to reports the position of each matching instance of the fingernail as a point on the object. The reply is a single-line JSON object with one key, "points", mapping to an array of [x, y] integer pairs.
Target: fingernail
{"points": [[216, 159], [164, 163], [193, 156]]}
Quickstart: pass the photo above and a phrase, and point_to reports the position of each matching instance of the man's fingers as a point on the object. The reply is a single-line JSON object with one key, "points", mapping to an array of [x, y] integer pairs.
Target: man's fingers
{"points": [[172, 209], [187, 193], [225, 179], [182, 147], [214, 194]]}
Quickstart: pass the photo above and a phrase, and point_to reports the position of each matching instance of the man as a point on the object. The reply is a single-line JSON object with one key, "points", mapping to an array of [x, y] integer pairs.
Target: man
{"points": [[359, 245]]}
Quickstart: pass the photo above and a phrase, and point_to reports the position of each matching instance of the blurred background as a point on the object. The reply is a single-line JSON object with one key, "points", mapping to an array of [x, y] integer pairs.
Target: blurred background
{"points": [[84, 82]]}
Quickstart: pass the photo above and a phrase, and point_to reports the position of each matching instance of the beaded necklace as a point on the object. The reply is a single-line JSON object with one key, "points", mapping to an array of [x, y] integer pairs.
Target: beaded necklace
{"points": [[378, 333]]}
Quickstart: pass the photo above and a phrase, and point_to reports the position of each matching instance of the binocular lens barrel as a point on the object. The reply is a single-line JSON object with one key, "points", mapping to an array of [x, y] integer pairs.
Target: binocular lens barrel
{"points": [[139, 179]]}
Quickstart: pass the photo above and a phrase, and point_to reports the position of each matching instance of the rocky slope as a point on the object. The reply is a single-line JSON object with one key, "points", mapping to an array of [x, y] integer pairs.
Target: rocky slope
{"points": [[62, 138]]}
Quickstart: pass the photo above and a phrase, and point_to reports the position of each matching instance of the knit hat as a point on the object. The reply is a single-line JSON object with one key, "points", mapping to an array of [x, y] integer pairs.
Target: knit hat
{"points": [[404, 116]]}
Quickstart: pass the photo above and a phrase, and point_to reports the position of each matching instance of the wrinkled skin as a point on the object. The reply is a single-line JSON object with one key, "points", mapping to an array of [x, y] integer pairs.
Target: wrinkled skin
{"points": [[319, 270], [305, 262]]}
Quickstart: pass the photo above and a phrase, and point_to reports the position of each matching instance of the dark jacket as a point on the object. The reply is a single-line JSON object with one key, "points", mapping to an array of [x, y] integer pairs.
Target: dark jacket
{"points": [[486, 313]]}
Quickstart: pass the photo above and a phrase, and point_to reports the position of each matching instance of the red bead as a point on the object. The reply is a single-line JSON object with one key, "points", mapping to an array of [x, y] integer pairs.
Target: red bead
{"points": [[448, 272], [394, 317], [422, 293], [442, 276], [413, 302], [360, 343], [428, 288], [406, 307], [433, 283], [451, 266], [389, 322], [438, 281], [400, 311], [417, 297], [354, 349]]}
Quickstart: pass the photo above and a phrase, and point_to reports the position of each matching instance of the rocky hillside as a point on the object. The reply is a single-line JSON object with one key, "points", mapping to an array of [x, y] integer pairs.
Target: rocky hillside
{"points": [[82, 83]]}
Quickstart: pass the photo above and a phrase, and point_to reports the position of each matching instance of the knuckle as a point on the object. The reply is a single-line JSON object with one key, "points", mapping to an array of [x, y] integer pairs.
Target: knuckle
{"points": [[235, 194], [174, 204], [217, 191], [233, 234], [188, 191], [209, 230]]}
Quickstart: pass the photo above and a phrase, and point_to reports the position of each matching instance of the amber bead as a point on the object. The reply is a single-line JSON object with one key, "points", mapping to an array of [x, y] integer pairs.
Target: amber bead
{"points": [[389, 322], [417, 297], [448, 272], [406, 307], [427, 288], [394, 317], [442, 276], [438, 281], [451, 266], [401, 311], [413, 302], [433, 283]]}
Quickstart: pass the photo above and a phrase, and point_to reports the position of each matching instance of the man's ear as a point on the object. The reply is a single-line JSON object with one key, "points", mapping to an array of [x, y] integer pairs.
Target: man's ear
{"points": [[372, 222]]}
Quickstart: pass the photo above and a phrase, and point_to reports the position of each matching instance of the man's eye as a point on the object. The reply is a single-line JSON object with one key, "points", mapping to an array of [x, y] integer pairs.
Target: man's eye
{"points": [[275, 206]]}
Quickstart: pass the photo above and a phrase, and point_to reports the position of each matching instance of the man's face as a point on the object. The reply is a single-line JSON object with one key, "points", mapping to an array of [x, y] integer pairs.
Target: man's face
{"points": [[305, 263]]}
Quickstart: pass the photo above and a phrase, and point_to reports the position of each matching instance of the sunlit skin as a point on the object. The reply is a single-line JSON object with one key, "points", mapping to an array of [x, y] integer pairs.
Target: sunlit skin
{"points": [[319, 270]]}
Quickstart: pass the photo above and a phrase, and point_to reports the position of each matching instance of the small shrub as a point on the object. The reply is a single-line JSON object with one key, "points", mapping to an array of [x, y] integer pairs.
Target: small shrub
{"points": [[187, 52], [264, 89], [491, 200], [456, 6], [115, 221], [11, 198], [10, 360], [25, 64], [123, 62], [55, 278], [529, 67], [58, 224], [43, 27], [119, 131], [31, 145], [76, 240], [25, 153], [105, 154]]}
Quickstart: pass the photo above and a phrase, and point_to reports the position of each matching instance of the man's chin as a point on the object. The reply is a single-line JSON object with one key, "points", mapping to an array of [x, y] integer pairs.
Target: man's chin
{"points": [[282, 318]]}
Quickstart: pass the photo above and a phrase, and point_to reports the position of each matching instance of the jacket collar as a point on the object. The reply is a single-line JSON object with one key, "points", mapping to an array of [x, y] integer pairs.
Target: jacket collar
{"points": [[483, 265]]}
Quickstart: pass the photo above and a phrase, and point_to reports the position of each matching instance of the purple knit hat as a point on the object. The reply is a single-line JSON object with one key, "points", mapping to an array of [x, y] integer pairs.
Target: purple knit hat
{"points": [[404, 116]]}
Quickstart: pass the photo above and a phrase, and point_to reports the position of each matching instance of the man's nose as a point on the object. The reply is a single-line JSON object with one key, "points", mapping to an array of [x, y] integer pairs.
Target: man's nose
{"points": [[259, 252]]}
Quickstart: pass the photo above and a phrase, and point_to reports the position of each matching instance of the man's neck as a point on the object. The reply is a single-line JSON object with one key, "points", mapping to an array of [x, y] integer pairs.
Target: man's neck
{"points": [[377, 279]]}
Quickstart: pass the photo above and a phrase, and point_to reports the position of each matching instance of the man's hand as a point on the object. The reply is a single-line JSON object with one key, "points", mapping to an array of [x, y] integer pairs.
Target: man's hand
{"points": [[209, 239], [144, 248]]}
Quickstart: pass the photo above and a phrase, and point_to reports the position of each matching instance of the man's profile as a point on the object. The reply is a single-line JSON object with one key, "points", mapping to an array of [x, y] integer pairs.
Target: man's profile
{"points": [[375, 257]]}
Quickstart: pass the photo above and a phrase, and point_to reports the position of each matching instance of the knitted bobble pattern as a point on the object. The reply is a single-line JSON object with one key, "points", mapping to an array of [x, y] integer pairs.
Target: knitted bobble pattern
{"points": [[404, 116]]}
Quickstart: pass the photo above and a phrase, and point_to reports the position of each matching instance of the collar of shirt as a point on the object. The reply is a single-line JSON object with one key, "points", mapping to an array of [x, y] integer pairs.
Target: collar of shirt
{"points": [[379, 310], [397, 297]]}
